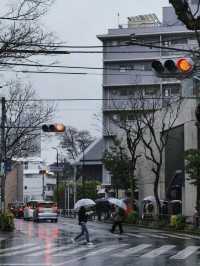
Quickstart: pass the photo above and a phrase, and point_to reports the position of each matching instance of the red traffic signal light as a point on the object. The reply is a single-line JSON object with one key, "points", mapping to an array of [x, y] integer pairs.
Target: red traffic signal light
{"points": [[178, 67], [53, 128]]}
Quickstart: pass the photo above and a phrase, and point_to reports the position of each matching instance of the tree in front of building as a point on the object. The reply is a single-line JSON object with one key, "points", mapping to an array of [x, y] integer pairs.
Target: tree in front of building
{"points": [[88, 191], [192, 168], [74, 142], [128, 121], [158, 120], [116, 161]]}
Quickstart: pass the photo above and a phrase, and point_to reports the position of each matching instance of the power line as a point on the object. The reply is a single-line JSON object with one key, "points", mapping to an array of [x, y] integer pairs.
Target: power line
{"points": [[70, 67], [101, 99], [31, 51], [102, 52], [79, 73]]}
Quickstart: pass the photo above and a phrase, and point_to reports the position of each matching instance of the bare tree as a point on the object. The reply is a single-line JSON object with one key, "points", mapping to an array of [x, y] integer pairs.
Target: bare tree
{"points": [[24, 117], [75, 142], [158, 121], [127, 119], [21, 34]]}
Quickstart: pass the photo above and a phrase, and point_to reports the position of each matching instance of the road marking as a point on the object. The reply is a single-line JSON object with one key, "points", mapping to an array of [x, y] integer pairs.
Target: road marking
{"points": [[135, 235], [155, 236], [21, 251], [104, 250], [50, 251], [176, 236], [132, 251], [2, 250], [158, 251], [190, 236], [185, 253], [71, 252]]}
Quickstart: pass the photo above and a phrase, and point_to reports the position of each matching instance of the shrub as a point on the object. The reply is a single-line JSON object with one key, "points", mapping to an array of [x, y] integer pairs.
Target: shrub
{"points": [[7, 221], [180, 222], [132, 217]]}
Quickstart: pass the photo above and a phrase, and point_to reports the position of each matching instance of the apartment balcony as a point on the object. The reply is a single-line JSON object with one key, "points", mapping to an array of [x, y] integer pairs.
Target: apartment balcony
{"points": [[130, 78], [127, 53], [133, 104]]}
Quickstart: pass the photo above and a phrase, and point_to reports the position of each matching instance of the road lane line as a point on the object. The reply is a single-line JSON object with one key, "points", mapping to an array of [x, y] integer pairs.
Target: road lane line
{"points": [[132, 251], [185, 253], [2, 250], [135, 235], [50, 251], [176, 236], [22, 251], [158, 251]]}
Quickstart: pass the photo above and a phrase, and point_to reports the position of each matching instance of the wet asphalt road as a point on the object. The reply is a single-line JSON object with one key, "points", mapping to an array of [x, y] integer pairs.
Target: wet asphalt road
{"points": [[46, 244]]}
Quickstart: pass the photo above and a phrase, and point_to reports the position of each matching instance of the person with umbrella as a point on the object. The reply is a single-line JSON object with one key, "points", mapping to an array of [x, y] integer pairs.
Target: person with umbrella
{"points": [[118, 214], [82, 218]]}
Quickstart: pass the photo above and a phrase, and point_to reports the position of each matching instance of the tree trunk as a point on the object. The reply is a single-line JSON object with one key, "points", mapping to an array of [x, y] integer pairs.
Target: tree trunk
{"points": [[132, 191], [158, 204], [198, 198]]}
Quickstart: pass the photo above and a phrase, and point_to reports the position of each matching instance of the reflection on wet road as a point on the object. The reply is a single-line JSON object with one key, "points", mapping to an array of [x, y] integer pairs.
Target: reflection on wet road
{"points": [[45, 244]]}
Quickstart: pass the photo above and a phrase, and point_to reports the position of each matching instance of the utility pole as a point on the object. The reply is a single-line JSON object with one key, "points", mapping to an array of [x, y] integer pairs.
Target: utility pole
{"points": [[3, 152], [57, 178]]}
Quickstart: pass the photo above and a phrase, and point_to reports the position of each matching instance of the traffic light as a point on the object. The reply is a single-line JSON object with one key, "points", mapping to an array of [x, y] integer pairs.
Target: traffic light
{"points": [[177, 68], [53, 128]]}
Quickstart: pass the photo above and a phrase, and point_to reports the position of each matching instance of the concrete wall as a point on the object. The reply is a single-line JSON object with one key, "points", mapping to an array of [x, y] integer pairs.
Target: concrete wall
{"points": [[14, 184]]}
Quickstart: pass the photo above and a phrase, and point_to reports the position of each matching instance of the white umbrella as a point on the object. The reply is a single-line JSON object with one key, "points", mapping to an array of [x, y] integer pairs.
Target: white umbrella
{"points": [[149, 198], [118, 202], [84, 203]]}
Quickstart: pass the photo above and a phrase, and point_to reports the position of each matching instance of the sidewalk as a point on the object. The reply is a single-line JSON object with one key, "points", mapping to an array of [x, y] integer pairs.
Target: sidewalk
{"points": [[147, 227]]}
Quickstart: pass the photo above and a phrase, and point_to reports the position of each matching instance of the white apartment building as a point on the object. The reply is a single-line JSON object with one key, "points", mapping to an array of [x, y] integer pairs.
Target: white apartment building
{"points": [[127, 70], [35, 183]]}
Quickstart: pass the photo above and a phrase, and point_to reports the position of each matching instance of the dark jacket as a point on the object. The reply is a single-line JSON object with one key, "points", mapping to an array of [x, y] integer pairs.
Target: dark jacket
{"points": [[82, 216]]}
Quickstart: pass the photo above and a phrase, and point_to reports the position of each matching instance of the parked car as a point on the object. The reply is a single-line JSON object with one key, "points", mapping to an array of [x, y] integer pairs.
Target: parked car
{"points": [[17, 209], [45, 210]]}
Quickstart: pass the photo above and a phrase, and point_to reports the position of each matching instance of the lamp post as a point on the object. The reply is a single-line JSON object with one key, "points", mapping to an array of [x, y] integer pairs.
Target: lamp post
{"points": [[57, 176]]}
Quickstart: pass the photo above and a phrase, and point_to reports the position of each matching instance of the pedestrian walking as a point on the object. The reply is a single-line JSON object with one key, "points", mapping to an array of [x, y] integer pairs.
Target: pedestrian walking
{"points": [[118, 217], [82, 218]]}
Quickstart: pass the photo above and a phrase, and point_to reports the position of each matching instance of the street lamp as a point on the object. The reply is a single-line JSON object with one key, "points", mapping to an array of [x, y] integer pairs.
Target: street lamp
{"points": [[57, 176]]}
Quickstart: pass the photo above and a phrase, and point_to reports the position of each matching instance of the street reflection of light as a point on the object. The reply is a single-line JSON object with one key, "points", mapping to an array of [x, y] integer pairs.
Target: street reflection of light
{"points": [[48, 236], [47, 254], [30, 230]]}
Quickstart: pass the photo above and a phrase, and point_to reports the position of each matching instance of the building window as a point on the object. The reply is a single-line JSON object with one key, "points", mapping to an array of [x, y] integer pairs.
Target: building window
{"points": [[122, 69], [25, 165]]}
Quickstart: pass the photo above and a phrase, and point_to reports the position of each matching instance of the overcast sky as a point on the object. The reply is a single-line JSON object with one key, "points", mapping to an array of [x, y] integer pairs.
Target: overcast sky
{"points": [[78, 22]]}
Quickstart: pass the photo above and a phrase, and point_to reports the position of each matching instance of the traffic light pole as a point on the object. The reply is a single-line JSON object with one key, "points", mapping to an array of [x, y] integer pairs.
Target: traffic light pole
{"points": [[3, 151]]}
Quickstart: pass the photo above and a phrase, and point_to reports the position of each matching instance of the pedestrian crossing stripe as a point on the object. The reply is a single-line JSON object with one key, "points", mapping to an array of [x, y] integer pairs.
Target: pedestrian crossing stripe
{"points": [[125, 250], [185, 253], [158, 251], [132, 251], [134, 235], [50, 251], [156, 236], [2, 250], [19, 252], [176, 236], [71, 252]]}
